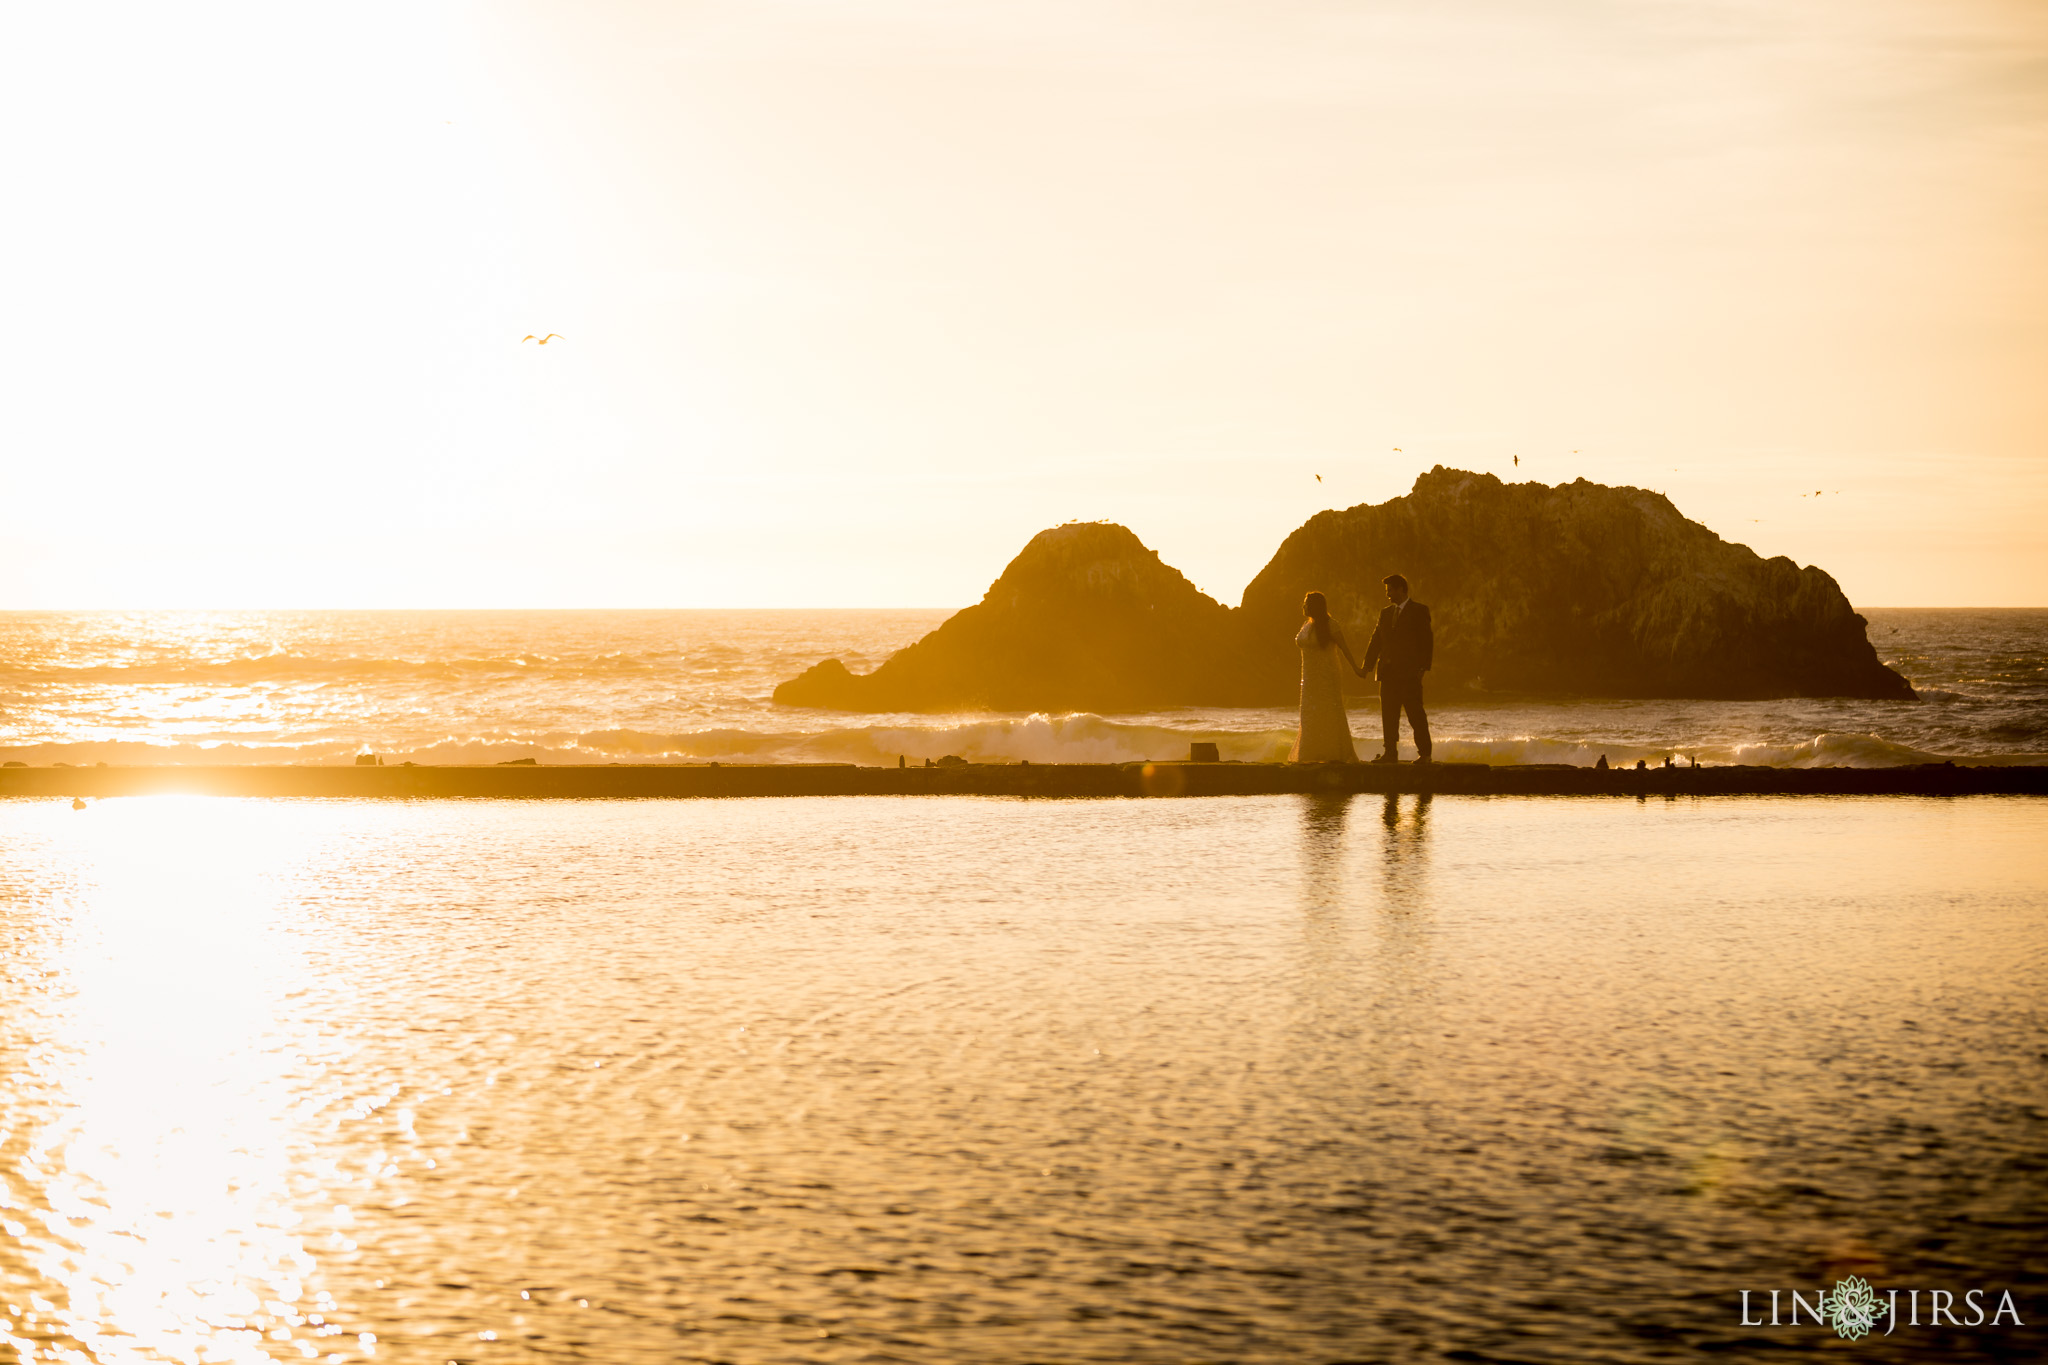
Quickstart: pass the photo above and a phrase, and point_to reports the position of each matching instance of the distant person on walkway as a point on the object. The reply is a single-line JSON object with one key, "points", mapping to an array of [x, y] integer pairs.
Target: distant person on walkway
{"points": [[1325, 734], [1403, 646]]}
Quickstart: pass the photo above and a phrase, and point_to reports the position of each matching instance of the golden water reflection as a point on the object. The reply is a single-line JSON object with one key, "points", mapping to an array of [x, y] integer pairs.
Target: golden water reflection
{"points": [[970, 1081], [160, 1190], [1404, 849], [1401, 855]]}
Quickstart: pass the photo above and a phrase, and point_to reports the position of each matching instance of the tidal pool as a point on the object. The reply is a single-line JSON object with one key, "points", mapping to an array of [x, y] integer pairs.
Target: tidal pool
{"points": [[984, 1080]]}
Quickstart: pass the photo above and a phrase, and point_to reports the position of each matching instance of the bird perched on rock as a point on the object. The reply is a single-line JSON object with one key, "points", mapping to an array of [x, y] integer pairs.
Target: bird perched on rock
{"points": [[78, 803]]}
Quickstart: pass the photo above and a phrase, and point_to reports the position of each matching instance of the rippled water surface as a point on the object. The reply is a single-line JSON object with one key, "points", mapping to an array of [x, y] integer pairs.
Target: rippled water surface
{"points": [[977, 1080]]}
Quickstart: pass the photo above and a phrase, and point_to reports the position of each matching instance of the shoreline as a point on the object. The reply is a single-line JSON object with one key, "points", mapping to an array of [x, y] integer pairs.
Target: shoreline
{"points": [[1169, 779]]}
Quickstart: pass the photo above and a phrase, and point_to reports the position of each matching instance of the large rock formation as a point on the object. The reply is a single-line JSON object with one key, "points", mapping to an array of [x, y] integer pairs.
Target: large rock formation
{"points": [[1084, 619], [1581, 589]]}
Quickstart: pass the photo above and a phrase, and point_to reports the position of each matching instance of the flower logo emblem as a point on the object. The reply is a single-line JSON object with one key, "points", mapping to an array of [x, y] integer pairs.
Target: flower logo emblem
{"points": [[1853, 1308]]}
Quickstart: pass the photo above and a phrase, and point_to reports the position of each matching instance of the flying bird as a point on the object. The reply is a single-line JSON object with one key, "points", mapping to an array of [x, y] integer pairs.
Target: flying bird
{"points": [[1397, 450], [1518, 462], [1319, 478], [543, 340]]}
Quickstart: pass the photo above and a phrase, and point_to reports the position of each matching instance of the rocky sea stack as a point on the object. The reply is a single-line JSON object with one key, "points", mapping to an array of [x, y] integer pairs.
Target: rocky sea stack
{"points": [[1575, 590], [1084, 619]]}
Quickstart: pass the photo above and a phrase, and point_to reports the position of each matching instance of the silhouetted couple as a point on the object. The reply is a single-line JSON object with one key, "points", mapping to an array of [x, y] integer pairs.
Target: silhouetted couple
{"points": [[1401, 649]]}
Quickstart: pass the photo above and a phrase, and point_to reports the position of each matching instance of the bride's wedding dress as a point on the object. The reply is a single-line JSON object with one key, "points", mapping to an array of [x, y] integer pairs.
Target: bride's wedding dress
{"points": [[1325, 734]]}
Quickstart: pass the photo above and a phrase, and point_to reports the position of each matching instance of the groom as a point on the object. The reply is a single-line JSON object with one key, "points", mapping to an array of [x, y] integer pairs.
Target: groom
{"points": [[1403, 644]]}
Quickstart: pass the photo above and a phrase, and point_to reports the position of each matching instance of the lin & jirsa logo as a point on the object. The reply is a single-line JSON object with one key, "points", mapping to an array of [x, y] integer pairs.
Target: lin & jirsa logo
{"points": [[1853, 1308]]}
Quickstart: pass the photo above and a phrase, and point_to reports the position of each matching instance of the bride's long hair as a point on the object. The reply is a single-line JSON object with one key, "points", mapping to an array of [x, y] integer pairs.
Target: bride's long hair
{"points": [[1317, 609]]}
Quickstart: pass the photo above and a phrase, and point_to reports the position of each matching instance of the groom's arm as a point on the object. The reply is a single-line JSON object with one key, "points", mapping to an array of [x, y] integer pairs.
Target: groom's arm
{"points": [[1372, 646]]}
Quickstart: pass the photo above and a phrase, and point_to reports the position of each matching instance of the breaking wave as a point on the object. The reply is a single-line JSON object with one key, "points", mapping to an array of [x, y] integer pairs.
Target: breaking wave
{"points": [[1075, 738]]}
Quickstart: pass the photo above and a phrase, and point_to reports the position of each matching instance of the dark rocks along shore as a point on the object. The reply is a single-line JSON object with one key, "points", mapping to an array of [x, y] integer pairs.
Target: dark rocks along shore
{"points": [[1575, 590]]}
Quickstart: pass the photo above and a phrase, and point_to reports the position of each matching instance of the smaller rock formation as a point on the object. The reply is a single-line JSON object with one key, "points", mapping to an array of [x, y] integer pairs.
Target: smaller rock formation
{"points": [[1085, 618]]}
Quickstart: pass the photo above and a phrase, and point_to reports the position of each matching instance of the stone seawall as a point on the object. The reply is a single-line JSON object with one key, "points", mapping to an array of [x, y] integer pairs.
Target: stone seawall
{"points": [[1020, 779]]}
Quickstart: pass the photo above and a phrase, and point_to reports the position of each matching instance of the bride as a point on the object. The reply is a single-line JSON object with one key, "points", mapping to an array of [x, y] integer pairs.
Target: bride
{"points": [[1325, 735]]}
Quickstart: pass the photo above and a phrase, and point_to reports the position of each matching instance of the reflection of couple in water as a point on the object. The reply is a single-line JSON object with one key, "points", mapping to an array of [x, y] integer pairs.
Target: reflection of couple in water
{"points": [[1401, 648]]}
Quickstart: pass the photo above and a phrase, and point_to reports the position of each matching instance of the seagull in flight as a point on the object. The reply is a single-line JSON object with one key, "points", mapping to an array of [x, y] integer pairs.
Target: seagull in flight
{"points": [[551, 336], [1518, 462]]}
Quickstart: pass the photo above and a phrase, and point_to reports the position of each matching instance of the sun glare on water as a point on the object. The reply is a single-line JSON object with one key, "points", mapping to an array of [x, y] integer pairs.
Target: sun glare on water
{"points": [[174, 1091]]}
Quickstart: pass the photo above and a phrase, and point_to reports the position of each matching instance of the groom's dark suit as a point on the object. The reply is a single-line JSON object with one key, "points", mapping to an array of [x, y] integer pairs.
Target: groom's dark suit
{"points": [[1403, 647]]}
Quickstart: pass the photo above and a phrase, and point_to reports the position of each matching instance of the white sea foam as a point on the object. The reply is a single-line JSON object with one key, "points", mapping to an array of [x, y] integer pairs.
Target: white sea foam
{"points": [[1073, 738]]}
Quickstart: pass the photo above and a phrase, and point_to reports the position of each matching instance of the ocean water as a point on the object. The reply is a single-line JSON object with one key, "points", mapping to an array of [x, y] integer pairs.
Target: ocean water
{"points": [[603, 687], [955, 1081]]}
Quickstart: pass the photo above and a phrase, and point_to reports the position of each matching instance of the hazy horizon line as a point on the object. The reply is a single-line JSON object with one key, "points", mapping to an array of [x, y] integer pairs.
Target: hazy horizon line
{"points": [[69, 611]]}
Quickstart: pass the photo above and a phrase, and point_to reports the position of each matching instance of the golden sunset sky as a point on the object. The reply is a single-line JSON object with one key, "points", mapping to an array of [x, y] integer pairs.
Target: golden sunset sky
{"points": [[856, 297]]}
